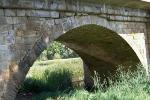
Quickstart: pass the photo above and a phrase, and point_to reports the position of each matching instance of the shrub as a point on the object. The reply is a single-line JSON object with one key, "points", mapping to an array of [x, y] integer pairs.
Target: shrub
{"points": [[129, 86], [57, 50], [56, 80]]}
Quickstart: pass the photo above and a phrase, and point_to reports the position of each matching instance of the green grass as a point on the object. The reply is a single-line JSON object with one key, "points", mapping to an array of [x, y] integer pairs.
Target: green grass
{"points": [[54, 75], [129, 86], [74, 65]]}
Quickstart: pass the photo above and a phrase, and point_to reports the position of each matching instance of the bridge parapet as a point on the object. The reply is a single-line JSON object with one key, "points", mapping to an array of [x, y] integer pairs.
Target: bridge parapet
{"points": [[65, 8]]}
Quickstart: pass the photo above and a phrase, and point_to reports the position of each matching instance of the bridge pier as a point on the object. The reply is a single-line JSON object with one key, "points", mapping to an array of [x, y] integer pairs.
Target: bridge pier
{"points": [[88, 78], [148, 48], [13, 78], [13, 83]]}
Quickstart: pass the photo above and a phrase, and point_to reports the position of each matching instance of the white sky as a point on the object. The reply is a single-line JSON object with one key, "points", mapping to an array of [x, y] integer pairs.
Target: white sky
{"points": [[146, 0]]}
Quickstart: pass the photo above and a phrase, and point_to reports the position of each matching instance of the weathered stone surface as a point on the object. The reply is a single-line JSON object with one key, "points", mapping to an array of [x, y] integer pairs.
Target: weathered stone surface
{"points": [[21, 12], [1, 12], [27, 26], [54, 14], [9, 12]]}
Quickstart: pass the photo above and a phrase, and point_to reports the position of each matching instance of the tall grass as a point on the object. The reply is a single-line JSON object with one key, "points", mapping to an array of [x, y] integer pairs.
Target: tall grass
{"points": [[129, 85], [56, 75]]}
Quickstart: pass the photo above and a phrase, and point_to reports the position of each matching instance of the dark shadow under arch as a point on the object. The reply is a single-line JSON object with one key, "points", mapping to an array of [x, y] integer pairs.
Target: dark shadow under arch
{"points": [[101, 43], [101, 49]]}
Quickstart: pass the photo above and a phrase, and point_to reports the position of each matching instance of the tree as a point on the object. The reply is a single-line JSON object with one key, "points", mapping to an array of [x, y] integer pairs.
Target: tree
{"points": [[58, 49]]}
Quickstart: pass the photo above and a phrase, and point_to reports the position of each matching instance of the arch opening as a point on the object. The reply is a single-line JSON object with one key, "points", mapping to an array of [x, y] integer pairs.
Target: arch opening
{"points": [[60, 72], [101, 49]]}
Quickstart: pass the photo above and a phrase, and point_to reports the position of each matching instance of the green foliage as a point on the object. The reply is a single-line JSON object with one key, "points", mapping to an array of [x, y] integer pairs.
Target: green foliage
{"points": [[52, 76], [128, 86], [55, 80], [43, 56], [57, 50]]}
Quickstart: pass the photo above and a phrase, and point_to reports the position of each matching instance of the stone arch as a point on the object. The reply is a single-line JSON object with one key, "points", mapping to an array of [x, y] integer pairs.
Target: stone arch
{"points": [[51, 29], [120, 28], [92, 34], [101, 49], [129, 31]]}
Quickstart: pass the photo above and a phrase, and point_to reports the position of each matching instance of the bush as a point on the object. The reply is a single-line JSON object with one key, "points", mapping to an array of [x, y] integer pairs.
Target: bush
{"points": [[129, 86], [56, 50], [49, 80], [58, 80], [52, 75]]}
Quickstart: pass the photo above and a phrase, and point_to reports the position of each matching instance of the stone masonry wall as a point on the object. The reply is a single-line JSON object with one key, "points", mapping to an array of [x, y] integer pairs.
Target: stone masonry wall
{"points": [[22, 36], [24, 22]]}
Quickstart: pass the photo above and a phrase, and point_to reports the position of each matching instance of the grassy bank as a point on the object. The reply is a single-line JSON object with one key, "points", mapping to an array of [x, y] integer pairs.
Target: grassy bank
{"points": [[53, 80], [53, 75]]}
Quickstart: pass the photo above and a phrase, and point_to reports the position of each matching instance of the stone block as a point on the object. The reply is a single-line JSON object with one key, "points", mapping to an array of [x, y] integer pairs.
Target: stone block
{"points": [[70, 14], [25, 3], [62, 5], [3, 21], [4, 28], [125, 18], [1, 12], [87, 9], [38, 4], [119, 17], [111, 11], [9, 20], [9, 12], [54, 14], [50, 22], [66, 14], [29, 40], [30, 13], [53, 6], [71, 5], [19, 40], [20, 12], [19, 20], [3, 40], [42, 13], [57, 5]]}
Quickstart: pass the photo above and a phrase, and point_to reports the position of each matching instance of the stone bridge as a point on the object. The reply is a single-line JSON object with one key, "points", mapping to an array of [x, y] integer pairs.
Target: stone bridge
{"points": [[105, 34]]}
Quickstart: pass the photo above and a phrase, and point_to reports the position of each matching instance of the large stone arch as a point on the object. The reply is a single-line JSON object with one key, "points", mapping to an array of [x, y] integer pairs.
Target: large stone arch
{"points": [[101, 49], [42, 31], [134, 33]]}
